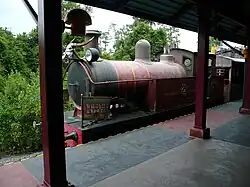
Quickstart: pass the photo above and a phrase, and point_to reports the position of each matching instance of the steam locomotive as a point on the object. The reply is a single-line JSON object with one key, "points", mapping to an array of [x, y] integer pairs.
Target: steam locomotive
{"points": [[107, 93], [99, 77]]}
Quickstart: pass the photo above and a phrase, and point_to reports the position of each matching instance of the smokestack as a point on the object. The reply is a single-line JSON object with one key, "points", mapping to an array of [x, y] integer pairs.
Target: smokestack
{"points": [[94, 42]]}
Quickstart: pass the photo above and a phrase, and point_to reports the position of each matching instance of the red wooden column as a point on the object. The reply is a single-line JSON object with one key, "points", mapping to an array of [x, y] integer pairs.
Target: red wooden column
{"points": [[50, 51], [245, 109], [199, 130]]}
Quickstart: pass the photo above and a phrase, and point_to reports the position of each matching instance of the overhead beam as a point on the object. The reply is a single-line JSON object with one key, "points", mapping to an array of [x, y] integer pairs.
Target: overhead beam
{"points": [[109, 5], [121, 4], [237, 29], [225, 11], [180, 12], [31, 10]]}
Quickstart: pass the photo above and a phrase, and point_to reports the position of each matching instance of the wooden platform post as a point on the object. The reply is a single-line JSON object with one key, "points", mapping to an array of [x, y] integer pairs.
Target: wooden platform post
{"points": [[50, 51], [199, 130], [245, 108]]}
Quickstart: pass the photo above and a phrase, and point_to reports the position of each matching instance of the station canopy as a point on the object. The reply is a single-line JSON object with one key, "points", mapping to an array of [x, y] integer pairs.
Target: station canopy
{"points": [[228, 19]]}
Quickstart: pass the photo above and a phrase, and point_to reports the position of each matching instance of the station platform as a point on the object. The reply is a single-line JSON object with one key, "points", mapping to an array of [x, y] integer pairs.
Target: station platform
{"points": [[164, 153]]}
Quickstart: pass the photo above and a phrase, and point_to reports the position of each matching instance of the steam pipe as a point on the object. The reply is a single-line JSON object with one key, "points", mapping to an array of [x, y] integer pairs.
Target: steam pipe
{"points": [[31, 10]]}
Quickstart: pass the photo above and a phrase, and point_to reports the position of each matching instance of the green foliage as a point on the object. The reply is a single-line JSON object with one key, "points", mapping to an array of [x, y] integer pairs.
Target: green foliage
{"points": [[11, 54], [19, 108], [20, 88], [125, 38], [29, 45], [69, 105], [214, 42], [107, 56], [2, 83]]}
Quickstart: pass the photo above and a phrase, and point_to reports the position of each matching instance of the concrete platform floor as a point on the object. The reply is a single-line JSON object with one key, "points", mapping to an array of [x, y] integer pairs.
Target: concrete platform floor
{"points": [[164, 153], [198, 163]]}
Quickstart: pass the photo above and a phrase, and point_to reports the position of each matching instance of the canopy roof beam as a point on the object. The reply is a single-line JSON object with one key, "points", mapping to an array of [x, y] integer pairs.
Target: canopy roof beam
{"points": [[180, 12]]}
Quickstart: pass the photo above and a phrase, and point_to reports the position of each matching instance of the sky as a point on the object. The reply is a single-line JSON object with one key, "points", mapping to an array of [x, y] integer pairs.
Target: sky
{"points": [[14, 15]]}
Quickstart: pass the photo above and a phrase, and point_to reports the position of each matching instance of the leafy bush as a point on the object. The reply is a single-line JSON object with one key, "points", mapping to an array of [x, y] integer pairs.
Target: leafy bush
{"points": [[68, 105], [19, 108]]}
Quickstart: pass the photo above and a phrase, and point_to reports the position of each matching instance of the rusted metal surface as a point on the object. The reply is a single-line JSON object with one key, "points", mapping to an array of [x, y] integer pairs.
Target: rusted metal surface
{"points": [[173, 93]]}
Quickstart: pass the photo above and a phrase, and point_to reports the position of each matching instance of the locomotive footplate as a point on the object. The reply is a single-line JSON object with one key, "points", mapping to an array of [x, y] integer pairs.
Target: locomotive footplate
{"points": [[89, 130]]}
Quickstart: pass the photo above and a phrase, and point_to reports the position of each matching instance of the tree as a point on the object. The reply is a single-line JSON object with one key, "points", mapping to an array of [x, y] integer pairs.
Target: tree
{"points": [[149, 22], [104, 40], [158, 37], [29, 44], [214, 43], [11, 53]]}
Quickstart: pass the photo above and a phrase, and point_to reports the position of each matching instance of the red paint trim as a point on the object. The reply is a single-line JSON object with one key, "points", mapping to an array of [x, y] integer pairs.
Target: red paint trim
{"points": [[69, 129]]}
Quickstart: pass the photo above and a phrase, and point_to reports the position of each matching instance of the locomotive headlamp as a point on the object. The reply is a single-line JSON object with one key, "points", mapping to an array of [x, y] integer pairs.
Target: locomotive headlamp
{"points": [[78, 19], [92, 54]]}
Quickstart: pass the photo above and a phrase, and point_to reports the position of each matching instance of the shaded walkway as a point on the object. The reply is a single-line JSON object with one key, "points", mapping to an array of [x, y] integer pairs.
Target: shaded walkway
{"points": [[91, 163], [236, 131]]}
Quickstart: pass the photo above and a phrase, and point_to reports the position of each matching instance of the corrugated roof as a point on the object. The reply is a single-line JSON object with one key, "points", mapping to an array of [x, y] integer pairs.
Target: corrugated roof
{"points": [[230, 18]]}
